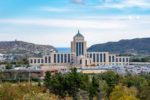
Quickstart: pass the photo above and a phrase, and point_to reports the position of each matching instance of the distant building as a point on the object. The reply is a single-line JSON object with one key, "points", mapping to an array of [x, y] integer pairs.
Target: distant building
{"points": [[2, 57], [79, 56]]}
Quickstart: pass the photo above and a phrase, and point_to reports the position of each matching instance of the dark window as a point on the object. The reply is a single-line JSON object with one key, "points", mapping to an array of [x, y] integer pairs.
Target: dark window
{"points": [[85, 62], [82, 48], [65, 58], [127, 60], [113, 59], [97, 57], [54, 58], [49, 59], [69, 58], [38, 60], [101, 57], [90, 55], [109, 58], [104, 57], [119, 59], [34, 60], [77, 49], [94, 57], [80, 61], [123, 60], [31, 61], [61, 58], [116, 59], [58, 58], [45, 59], [41, 60]]}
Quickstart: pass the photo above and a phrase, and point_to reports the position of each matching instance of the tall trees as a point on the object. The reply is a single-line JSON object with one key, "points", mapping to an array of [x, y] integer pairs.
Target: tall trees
{"points": [[93, 88], [111, 79], [47, 79], [135, 80], [104, 86], [74, 83]]}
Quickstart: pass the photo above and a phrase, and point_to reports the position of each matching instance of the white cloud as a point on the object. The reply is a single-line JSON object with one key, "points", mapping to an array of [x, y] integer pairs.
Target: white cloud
{"points": [[125, 4], [78, 1], [50, 9], [100, 30], [94, 24]]}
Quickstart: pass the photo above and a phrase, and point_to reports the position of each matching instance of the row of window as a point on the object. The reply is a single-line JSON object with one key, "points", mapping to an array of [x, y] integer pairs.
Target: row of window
{"points": [[79, 48], [111, 58], [58, 58], [122, 59], [36, 61], [98, 57], [62, 58]]}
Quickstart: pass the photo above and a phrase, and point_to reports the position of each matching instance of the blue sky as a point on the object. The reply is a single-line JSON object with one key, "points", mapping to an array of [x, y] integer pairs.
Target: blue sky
{"points": [[55, 22]]}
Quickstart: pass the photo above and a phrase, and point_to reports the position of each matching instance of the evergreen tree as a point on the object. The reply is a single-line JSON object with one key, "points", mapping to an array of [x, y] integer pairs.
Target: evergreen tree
{"points": [[47, 79]]}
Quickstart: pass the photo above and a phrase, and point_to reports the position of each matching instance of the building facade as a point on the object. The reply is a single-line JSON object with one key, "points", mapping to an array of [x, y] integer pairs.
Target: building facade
{"points": [[79, 56]]}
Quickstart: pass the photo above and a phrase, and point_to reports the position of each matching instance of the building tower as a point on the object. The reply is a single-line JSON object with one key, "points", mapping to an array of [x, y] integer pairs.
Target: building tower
{"points": [[78, 46]]}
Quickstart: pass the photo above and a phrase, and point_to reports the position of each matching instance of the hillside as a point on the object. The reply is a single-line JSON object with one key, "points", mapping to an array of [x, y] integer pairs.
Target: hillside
{"points": [[134, 46], [20, 47]]}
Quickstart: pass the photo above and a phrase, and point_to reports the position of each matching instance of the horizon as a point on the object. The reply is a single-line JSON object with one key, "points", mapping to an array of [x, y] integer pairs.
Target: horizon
{"points": [[62, 47], [56, 22]]}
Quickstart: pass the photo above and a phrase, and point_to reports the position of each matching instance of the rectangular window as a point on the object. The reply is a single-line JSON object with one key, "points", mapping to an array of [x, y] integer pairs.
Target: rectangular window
{"points": [[77, 49], [97, 57], [69, 58], [119, 59], [45, 59], [31, 61], [49, 59], [109, 58], [86, 62], [38, 60], [113, 59], [101, 58], [54, 58], [123, 60], [104, 57], [90, 55], [61, 58], [41, 60], [82, 49], [127, 60], [94, 57], [34, 60], [80, 61], [65, 58], [116, 59], [58, 58]]}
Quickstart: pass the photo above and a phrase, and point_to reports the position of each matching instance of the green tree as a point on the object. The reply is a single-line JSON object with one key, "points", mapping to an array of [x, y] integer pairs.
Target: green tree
{"points": [[135, 80], [58, 85], [111, 79], [47, 79], [74, 82], [93, 88]]}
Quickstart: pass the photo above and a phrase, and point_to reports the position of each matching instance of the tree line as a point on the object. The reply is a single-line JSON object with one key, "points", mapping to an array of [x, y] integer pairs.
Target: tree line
{"points": [[104, 86], [78, 86]]}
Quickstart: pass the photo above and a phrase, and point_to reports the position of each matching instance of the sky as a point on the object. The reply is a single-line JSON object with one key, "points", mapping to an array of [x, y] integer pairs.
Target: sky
{"points": [[55, 22]]}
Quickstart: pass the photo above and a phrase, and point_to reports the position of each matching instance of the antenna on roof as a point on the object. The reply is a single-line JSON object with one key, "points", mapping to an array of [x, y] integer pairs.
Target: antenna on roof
{"points": [[78, 31]]}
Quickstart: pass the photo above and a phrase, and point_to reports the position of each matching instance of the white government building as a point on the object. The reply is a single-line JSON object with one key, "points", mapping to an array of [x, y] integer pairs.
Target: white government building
{"points": [[79, 56]]}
